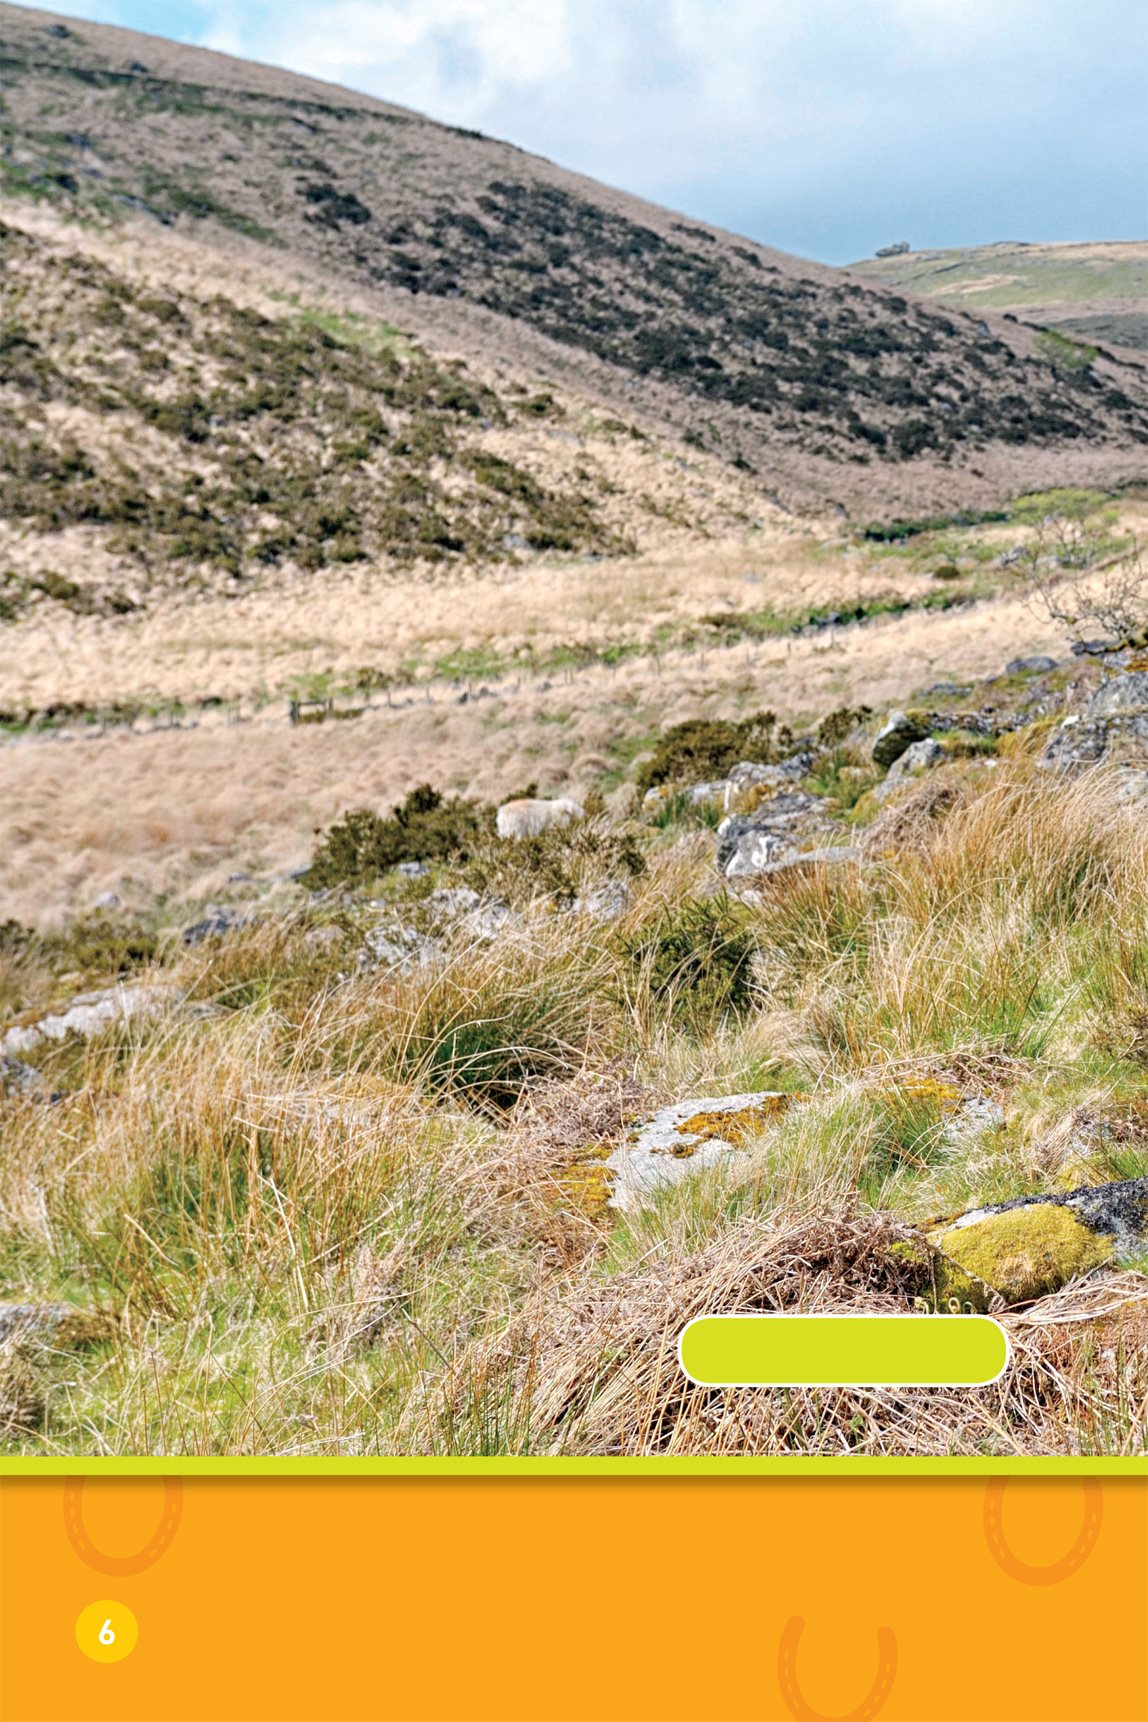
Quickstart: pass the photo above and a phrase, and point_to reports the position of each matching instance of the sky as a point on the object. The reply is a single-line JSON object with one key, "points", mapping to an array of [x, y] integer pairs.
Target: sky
{"points": [[823, 127]]}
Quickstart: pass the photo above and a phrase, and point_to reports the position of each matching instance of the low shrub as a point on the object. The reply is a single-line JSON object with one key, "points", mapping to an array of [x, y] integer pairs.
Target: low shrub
{"points": [[560, 863], [424, 827], [704, 748]]}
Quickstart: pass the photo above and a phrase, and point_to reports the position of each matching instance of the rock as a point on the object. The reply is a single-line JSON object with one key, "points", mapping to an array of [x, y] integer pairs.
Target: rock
{"points": [[1033, 1245], [699, 792], [530, 817], [681, 1138], [1094, 648], [783, 826], [215, 925], [88, 1014], [1121, 739], [17, 1078], [1020, 1255], [483, 917], [1029, 666], [58, 1324], [1119, 1209], [412, 869], [106, 900], [1130, 785], [394, 945], [747, 777], [898, 732], [918, 756], [1120, 695], [604, 902], [744, 848], [828, 857]]}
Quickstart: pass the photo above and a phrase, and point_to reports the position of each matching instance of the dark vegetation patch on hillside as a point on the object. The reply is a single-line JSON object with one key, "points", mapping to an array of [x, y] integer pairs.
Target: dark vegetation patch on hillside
{"points": [[269, 441]]}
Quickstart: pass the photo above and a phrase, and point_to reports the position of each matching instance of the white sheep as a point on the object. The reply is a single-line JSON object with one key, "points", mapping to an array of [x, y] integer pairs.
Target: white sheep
{"points": [[528, 817]]}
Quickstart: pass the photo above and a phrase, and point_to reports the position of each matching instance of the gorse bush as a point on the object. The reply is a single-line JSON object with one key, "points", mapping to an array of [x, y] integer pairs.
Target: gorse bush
{"points": [[424, 827], [705, 748], [560, 863]]}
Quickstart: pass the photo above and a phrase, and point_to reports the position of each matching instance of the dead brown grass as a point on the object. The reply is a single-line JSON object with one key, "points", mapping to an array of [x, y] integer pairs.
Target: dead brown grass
{"points": [[598, 1373]]}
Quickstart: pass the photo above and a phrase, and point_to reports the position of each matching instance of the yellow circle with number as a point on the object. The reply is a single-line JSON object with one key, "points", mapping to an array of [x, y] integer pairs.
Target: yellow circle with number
{"points": [[107, 1631]]}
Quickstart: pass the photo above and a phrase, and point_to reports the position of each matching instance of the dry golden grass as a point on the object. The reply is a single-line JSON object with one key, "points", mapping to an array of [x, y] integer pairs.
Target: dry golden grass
{"points": [[599, 1373], [180, 809]]}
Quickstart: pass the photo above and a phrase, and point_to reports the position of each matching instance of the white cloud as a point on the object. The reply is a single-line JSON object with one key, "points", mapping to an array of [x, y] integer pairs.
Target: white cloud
{"points": [[411, 53]]}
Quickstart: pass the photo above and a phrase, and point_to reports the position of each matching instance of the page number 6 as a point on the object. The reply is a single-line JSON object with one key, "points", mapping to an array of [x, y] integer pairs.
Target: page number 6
{"points": [[107, 1636]]}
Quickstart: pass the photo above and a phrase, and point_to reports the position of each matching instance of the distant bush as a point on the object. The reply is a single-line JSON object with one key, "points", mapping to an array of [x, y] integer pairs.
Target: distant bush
{"points": [[561, 863], [100, 944], [1063, 354], [703, 748], [424, 827]]}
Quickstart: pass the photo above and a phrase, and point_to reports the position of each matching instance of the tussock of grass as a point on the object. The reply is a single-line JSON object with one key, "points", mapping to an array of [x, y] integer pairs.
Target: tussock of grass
{"points": [[599, 1373]]}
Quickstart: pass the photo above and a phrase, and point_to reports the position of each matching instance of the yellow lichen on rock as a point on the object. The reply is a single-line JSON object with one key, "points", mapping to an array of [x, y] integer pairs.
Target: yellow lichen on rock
{"points": [[1023, 1253], [736, 1128], [946, 1095], [584, 1186]]}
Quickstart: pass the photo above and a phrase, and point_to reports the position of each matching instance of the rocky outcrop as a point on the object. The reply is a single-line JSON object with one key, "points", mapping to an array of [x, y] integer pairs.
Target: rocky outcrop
{"points": [[1029, 666], [1112, 731], [215, 924], [88, 1014], [919, 756], [779, 829], [1121, 694], [681, 1138], [17, 1078], [1034, 1245], [898, 732]]}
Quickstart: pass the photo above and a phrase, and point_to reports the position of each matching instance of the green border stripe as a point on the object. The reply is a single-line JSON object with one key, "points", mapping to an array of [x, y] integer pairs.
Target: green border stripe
{"points": [[87, 1466]]}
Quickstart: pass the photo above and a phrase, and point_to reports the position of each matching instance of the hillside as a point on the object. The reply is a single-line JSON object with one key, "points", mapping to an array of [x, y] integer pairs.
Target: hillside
{"points": [[823, 388], [1091, 292]]}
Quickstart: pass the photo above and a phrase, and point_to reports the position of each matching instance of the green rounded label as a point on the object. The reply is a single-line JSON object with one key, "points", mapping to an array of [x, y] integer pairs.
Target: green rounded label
{"points": [[843, 1350]]}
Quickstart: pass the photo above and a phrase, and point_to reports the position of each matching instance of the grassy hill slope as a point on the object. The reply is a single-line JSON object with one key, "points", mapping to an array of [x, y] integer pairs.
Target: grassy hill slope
{"points": [[1095, 292]]}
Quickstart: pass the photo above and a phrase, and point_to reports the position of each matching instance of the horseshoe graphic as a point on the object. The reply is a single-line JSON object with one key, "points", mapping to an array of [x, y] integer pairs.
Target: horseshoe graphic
{"points": [[120, 1566], [873, 1702], [1057, 1570]]}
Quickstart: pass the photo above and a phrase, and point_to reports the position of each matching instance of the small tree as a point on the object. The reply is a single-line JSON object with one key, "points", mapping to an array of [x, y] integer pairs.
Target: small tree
{"points": [[1080, 587]]}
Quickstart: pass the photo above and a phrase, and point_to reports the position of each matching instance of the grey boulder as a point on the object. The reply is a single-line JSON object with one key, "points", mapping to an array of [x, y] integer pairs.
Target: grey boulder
{"points": [[898, 732]]}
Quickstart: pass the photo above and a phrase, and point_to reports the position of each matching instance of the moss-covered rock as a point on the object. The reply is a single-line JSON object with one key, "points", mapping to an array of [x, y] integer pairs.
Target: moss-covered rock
{"points": [[1022, 1252]]}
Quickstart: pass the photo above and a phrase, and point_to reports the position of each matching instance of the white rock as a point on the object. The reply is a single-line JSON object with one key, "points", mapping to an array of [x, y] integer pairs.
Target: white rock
{"points": [[88, 1014], [661, 1152]]}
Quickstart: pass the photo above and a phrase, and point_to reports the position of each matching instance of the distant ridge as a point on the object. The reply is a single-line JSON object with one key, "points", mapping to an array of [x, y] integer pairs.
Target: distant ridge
{"points": [[1096, 291]]}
